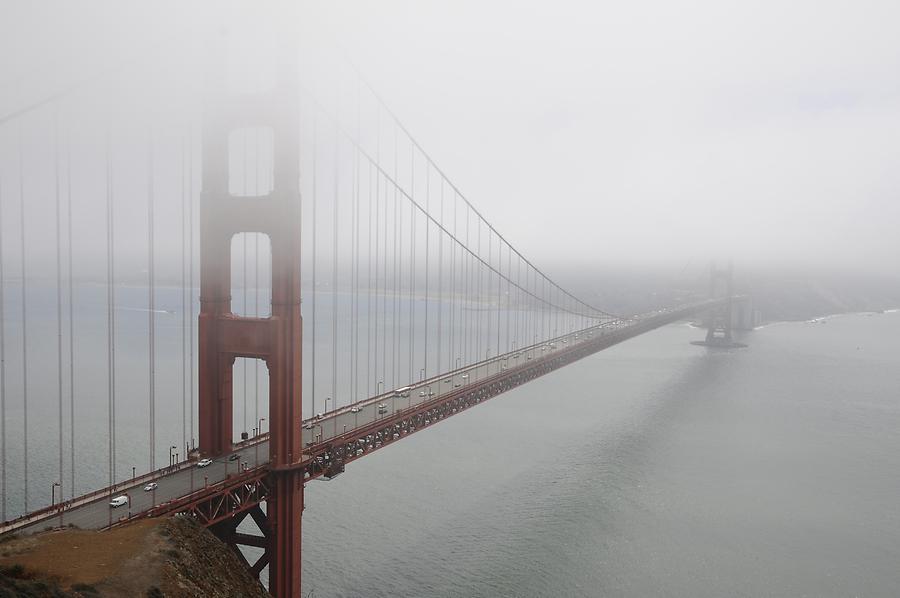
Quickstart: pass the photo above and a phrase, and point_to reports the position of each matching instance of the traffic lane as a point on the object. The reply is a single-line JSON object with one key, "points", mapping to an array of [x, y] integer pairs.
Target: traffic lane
{"points": [[316, 431], [98, 514], [175, 485]]}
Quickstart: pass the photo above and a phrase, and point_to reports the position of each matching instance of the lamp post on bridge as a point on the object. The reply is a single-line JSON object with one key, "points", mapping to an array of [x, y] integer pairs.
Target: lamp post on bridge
{"points": [[53, 498], [334, 419], [172, 455]]}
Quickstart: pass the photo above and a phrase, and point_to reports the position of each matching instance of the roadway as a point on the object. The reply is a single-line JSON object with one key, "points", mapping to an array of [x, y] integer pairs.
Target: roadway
{"points": [[97, 514], [186, 477]]}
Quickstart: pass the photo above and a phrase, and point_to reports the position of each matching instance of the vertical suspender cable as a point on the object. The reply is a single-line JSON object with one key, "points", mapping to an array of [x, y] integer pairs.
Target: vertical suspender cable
{"points": [[334, 278], [356, 276], [556, 317], [508, 294], [468, 295], [377, 244], [453, 291], [354, 195], [427, 256], [244, 307], [111, 318], [184, 323], [191, 278], [377, 277], [354, 331], [59, 335], [71, 298], [369, 320], [412, 264], [459, 280], [478, 325], [24, 319], [151, 301], [356, 216], [2, 371], [499, 289], [398, 267], [488, 287], [256, 285], [394, 276], [384, 326], [516, 344], [440, 289], [315, 151], [464, 304]]}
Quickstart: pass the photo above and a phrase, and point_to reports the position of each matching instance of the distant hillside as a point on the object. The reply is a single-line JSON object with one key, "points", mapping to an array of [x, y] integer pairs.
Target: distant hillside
{"points": [[777, 295]]}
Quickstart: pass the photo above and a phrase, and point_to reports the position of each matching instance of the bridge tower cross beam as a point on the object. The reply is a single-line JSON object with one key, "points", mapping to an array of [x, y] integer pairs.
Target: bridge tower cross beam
{"points": [[223, 336]]}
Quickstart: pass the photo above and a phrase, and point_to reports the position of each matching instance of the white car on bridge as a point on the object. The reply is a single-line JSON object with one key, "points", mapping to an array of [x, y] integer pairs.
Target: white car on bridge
{"points": [[119, 501]]}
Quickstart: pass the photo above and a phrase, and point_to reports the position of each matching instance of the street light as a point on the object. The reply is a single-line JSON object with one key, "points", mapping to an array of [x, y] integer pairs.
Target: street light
{"points": [[171, 455], [259, 426], [379, 388], [53, 493]]}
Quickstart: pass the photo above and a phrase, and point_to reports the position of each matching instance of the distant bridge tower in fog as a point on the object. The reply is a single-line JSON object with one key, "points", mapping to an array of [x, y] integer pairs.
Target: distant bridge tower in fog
{"points": [[720, 319]]}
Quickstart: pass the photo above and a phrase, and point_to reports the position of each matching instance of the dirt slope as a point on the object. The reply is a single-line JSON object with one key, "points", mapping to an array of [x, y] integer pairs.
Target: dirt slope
{"points": [[155, 558]]}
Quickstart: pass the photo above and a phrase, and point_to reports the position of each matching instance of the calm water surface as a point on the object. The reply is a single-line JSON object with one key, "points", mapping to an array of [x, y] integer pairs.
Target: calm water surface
{"points": [[655, 468]]}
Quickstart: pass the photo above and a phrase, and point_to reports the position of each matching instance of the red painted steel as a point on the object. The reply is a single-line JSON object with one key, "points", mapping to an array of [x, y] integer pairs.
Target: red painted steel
{"points": [[277, 339]]}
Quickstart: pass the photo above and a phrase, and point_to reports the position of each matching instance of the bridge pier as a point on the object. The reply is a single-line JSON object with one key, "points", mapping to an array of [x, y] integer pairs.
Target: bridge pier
{"points": [[276, 340], [720, 319]]}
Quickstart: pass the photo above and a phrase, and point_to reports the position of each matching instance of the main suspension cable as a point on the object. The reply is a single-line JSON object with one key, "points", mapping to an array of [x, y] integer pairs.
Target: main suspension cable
{"points": [[383, 106]]}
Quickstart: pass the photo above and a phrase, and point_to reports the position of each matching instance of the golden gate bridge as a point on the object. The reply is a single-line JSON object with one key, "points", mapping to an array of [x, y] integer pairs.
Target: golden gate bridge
{"points": [[261, 277]]}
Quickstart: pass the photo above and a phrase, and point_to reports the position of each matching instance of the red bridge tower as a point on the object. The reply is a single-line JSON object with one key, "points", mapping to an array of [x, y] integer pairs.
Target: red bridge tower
{"points": [[276, 340]]}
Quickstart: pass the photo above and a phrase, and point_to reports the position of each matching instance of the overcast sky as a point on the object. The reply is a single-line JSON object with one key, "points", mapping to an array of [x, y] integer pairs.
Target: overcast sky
{"points": [[653, 131], [657, 130]]}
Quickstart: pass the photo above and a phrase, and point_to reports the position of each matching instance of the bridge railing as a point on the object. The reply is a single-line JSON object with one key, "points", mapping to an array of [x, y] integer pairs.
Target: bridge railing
{"points": [[50, 512], [563, 345]]}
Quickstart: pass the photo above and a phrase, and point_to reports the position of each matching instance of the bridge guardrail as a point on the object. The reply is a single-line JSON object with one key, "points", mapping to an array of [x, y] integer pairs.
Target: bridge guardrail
{"points": [[640, 323], [52, 511]]}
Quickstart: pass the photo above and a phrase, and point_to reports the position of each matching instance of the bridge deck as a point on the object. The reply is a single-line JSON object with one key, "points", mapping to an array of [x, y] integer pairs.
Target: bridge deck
{"points": [[347, 433]]}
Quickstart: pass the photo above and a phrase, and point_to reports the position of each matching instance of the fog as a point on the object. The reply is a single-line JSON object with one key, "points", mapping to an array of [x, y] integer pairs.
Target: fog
{"points": [[595, 136], [656, 131]]}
